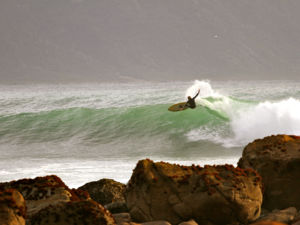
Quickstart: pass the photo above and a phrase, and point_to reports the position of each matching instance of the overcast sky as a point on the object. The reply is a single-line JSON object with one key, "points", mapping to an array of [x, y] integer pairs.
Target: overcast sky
{"points": [[133, 40]]}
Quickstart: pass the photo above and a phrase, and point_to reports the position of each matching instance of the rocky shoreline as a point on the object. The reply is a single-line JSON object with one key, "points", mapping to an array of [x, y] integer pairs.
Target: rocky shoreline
{"points": [[264, 189]]}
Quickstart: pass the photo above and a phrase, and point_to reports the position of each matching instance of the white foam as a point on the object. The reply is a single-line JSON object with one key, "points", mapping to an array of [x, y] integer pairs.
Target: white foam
{"points": [[247, 122], [265, 119], [205, 89]]}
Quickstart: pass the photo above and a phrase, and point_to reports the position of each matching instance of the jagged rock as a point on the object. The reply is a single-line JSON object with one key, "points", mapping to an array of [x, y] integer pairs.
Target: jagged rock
{"points": [[213, 194], [105, 191], [43, 191], [12, 208], [73, 213], [283, 216], [277, 160]]}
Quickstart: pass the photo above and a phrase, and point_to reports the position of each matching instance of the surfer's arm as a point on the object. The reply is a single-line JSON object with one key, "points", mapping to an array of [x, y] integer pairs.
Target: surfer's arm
{"points": [[197, 94]]}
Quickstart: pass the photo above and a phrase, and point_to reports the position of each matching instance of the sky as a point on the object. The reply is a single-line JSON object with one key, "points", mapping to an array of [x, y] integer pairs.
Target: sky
{"points": [[148, 40]]}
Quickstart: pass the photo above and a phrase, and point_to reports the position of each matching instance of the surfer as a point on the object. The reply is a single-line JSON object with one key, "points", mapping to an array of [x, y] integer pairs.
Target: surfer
{"points": [[191, 101]]}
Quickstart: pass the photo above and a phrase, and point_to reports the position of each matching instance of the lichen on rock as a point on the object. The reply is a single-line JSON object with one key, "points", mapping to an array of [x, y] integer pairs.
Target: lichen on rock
{"points": [[213, 194]]}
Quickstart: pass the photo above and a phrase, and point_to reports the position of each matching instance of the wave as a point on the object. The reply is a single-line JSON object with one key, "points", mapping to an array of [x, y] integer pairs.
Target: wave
{"points": [[219, 118], [246, 120]]}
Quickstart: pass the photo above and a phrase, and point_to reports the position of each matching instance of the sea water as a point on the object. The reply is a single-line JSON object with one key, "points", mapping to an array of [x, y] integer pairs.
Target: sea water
{"points": [[85, 132]]}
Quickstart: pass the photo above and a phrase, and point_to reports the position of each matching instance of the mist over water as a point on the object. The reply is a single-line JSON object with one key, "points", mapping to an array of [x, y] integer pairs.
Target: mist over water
{"points": [[86, 132]]}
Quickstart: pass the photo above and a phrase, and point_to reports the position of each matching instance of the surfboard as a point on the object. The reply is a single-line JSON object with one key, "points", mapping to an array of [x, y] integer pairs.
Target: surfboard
{"points": [[178, 107]]}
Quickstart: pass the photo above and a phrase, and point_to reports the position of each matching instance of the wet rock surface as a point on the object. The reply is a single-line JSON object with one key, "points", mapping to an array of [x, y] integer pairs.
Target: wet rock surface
{"points": [[213, 194]]}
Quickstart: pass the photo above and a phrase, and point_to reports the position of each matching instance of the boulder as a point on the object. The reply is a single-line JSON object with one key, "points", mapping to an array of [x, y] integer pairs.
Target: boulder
{"points": [[43, 191], [283, 216], [12, 207], [105, 191], [86, 212], [277, 160], [174, 193]]}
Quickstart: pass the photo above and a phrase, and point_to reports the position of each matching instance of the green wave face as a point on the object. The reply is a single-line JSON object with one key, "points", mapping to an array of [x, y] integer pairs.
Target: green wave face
{"points": [[105, 125], [136, 117]]}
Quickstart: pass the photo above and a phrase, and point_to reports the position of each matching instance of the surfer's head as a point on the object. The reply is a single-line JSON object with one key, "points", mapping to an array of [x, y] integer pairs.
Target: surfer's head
{"points": [[189, 97]]}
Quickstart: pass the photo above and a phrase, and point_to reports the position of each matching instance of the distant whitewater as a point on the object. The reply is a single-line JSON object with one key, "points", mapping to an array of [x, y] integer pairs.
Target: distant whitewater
{"points": [[87, 132]]}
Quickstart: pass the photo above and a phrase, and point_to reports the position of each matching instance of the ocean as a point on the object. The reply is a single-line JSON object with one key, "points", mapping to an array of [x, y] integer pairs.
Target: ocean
{"points": [[86, 132]]}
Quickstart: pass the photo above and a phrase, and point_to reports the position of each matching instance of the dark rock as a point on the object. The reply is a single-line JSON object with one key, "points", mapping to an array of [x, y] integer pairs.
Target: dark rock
{"points": [[117, 207], [213, 194], [73, 213], [159, 222], [277, 160], [12, 208], [105, 191], [122, 218]]}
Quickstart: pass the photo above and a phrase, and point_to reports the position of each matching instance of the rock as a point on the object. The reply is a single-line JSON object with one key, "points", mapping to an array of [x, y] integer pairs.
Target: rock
{"points": [[105, 191], [122, 218], [160, 222], [117, 207], [283, 216], [268, 223], [12, 208], [190, 222], [277, 160], [43, 191], [86, 212], [213, 194]]}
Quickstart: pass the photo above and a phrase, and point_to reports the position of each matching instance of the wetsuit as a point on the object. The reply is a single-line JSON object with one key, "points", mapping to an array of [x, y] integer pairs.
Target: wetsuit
{"points": [[191, 102]]}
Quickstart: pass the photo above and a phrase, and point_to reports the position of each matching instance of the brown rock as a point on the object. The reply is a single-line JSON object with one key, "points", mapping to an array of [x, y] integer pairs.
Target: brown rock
{"points": [[122, 218], [160, 222], [73, 213], [12, 208], [105, 191], [283, 216], [43, 191], [268, 223], [117, 207], [190, 222], [213, 194], [277, 160]]}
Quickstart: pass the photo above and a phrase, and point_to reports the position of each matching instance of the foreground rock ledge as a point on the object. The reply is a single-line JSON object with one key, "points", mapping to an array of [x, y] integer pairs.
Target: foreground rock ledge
{"points": [[277, 160], [44, 191], [213, 194]]}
